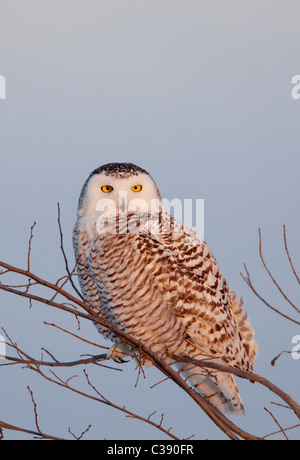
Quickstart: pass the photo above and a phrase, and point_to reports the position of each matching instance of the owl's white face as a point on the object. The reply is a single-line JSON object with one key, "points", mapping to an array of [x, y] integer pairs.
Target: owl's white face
{"points": [[119, 195]]}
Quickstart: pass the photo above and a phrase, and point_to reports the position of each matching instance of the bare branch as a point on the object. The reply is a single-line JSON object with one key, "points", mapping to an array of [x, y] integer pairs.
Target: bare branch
{"points": [[280, 431], [271, 276], [64, 253], [288, 254], [7, 426], [35, 411], [78, 438], [249, 282], [278, 356], [277, 423], [25, 359], [29, 246], [247, 279]]}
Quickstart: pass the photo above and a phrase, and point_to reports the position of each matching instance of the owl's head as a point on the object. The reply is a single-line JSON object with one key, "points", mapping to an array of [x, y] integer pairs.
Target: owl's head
{"points": [[119, 188]]}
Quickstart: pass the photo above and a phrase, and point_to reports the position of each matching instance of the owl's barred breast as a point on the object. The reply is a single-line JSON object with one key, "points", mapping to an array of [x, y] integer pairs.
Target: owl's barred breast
{"points": [[118, 280]]}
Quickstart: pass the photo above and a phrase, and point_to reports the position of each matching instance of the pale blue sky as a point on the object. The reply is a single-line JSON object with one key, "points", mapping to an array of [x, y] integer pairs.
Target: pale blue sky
{"points": [[199, 94]]}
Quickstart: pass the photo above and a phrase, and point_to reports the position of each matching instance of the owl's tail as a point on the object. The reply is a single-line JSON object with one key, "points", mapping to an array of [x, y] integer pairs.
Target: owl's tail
{"points": [[219, 388]]}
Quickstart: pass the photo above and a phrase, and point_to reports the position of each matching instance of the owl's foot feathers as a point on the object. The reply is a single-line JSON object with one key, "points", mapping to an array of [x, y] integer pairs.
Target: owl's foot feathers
{"points": [[117, 354]]}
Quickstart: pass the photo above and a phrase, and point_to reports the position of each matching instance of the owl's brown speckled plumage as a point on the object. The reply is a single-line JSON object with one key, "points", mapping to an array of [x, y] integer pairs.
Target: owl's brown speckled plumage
{"points": [[156, 280]]}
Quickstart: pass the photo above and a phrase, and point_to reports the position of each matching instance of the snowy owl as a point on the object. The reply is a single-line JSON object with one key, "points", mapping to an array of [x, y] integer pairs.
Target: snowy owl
{"points": [[156, 280]]}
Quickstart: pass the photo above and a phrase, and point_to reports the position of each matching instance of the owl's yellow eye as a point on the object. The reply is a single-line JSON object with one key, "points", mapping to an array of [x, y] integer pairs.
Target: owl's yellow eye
{"points": [[136, 188], [107, 188]]}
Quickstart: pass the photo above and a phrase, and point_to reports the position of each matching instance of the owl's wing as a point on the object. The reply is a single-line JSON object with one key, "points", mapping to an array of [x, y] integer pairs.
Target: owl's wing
{"points": [[188, 274], [188, 248], [216, 328]]}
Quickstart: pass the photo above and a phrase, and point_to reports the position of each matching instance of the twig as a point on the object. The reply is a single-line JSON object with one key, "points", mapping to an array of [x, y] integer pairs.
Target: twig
{"points": [[271, 276], [249, 282], [158, 383], [277, 423], [35, 411], [64, 254], [76, 336], [7, 426], [288, 254], [29, 246], [152, 413], [280, 405], [93, 360], [100, 398], [78, 438], [50, 354], [67, 278], [278, 356], [285, 429]]}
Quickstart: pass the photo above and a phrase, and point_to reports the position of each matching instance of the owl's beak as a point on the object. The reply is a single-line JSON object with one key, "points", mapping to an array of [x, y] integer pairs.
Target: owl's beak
{"points": [[123, 205], [123, 201]]}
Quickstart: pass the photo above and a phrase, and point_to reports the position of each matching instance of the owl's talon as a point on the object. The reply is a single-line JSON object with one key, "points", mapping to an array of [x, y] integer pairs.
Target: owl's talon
{"points": [[117, 353], [120, 360]]}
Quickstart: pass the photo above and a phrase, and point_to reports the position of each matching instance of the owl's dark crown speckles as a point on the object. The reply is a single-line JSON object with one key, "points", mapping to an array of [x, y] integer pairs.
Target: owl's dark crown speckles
{"points": [[121, 170]]}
